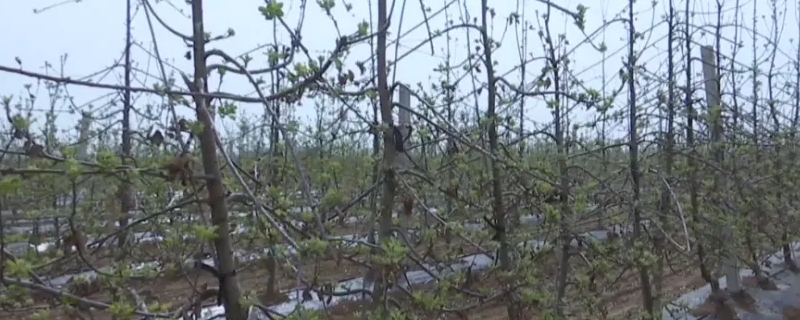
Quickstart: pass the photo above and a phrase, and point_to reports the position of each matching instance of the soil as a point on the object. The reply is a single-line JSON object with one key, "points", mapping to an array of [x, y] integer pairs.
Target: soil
{"points": [[791, 313], [620, 303], [177, 289], [763, 284], [620, 298]]}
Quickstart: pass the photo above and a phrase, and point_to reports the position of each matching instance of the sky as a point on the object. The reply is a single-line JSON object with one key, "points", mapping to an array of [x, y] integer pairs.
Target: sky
{"points": [[91, 34]]}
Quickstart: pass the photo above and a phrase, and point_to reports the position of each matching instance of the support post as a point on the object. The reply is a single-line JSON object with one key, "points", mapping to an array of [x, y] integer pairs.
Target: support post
{"points": [[402, 160], [82, 152], [404, 121], [714, 100]]}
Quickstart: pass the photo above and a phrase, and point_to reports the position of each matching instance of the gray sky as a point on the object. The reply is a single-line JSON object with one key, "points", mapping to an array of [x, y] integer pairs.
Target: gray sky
{"points": [[92, 33]]}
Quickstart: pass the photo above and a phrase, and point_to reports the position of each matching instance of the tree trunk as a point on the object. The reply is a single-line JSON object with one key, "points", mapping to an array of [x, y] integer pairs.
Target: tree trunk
{"points": [[229, 283]]}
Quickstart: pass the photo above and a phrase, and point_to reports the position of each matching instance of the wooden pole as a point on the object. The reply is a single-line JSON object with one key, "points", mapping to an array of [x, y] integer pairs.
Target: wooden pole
{"points": [[714, 100], [402, 161]]}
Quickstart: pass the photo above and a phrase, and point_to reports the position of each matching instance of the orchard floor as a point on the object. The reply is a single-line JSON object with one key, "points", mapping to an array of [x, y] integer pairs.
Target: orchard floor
{"points": [[620, 298], [776, 297], [176, 290], [620, 303]]}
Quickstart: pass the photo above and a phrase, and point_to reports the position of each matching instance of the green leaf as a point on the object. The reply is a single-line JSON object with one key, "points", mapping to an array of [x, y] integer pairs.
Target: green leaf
{"points": [[107, 160], [10, 184], [227, 110], [121, 309], [363, 28], [73, 168], [272, 10], [205, 233]]}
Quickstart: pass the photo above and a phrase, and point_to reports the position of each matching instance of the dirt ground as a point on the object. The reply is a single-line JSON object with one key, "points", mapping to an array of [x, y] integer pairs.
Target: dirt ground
{"points": [[620, 303], [177, 290]]}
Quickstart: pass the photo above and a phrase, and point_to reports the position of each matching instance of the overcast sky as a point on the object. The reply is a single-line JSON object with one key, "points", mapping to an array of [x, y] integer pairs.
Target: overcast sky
{"points": [[91, 33]]}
